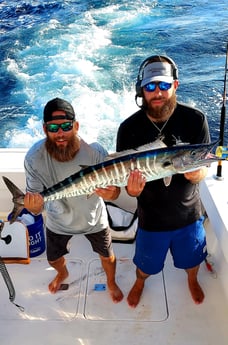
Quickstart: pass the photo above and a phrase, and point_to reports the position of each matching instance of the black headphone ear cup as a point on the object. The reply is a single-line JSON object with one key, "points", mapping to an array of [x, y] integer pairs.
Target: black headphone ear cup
{"points": [[175, 72], [138, 88]]}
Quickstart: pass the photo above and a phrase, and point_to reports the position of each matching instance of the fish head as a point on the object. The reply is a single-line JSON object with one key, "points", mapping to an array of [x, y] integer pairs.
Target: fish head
{"points": [[192, 157]]}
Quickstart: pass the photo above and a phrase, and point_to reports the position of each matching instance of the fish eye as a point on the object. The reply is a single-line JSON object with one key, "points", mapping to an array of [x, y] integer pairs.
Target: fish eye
{"points": [[193, 152], [166, 164]]}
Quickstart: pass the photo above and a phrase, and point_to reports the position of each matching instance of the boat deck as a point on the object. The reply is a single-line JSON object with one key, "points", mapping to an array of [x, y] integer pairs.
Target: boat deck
{"points": [[84, 314]]}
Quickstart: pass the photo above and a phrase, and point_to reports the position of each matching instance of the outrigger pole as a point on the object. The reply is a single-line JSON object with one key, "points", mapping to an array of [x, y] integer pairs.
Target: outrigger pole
{"points": [[222, 120]]}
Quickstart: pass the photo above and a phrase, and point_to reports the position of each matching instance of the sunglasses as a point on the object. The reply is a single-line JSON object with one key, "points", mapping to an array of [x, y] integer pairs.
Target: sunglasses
{"points": [[54, 127], [163, 86]]}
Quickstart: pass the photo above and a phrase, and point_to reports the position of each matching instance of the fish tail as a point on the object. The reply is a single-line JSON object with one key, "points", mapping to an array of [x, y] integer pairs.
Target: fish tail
{"points": [[18, 197]]}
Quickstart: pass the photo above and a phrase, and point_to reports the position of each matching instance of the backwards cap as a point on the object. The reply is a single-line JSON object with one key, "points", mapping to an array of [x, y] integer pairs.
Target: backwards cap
{"points": [[58, 104]]}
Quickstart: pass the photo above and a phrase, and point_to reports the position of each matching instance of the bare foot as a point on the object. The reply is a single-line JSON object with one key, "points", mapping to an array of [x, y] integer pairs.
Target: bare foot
{"points": [[116, 293], [57, 281], [196, 291], [135, 293]]}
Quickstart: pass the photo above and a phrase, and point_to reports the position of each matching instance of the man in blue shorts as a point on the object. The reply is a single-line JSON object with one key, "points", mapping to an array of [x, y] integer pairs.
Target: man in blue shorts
{"points": [[170, 217]]}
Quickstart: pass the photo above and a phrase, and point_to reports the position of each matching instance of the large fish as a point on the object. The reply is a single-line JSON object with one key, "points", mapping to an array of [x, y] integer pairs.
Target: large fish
{"points": [[155, 163]]}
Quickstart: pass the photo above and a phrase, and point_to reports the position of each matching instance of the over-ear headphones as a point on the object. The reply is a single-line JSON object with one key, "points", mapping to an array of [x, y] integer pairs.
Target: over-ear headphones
{"points": [[138, 88]]}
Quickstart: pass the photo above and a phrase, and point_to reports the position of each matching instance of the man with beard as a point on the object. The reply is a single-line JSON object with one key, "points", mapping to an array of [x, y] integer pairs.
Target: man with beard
{"points": [[51, 160], [169, 217]]}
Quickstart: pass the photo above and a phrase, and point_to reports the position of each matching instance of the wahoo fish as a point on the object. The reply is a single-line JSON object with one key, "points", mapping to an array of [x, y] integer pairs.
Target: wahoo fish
{"points": [[156, 163]]}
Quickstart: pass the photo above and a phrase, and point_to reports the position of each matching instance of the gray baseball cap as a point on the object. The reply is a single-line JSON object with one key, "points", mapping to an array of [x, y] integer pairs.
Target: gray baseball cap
{"points": [[157, 71]]}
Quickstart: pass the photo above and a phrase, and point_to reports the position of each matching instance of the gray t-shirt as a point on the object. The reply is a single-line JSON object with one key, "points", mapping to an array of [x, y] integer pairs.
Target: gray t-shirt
{"points": [[75, 215]]}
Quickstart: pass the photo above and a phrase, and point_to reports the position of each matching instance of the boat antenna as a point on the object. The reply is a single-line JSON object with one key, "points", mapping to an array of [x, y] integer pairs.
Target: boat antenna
{"points": [[222, 121]]}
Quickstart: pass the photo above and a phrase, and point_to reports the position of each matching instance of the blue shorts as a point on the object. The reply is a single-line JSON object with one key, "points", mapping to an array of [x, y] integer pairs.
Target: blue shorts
{"points": [[187, 246]]}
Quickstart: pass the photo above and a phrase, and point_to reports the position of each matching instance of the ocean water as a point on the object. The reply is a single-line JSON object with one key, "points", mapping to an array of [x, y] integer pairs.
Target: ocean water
{"points": [[89, 52]]}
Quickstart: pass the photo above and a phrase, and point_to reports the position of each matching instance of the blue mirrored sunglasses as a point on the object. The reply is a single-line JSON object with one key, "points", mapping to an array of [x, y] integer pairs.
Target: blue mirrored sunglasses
{"points": [[163, 86], [54, 127]]}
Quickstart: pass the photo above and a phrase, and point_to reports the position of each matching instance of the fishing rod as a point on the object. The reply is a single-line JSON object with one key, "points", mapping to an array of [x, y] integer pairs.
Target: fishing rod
{"points": [[222, 124]]}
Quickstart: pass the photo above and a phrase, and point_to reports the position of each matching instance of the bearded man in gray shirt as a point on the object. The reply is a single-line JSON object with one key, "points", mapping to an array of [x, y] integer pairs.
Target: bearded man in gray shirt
{"points": [[48, 162]]}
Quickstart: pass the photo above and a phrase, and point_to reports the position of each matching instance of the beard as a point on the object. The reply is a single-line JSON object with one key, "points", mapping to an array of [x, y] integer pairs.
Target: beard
{"points": [[162, 112], [63, 154]]}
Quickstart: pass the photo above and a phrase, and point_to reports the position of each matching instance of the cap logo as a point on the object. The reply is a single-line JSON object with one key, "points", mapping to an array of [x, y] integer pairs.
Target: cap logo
{"points": [[157, 71]]}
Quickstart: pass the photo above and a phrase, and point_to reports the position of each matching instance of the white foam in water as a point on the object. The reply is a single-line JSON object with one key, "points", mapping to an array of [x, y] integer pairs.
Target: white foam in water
{"points": [[91, 55]]}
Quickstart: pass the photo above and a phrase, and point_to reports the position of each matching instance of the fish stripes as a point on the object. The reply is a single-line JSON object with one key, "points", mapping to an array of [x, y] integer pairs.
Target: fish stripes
{"points": [[154, 163]]}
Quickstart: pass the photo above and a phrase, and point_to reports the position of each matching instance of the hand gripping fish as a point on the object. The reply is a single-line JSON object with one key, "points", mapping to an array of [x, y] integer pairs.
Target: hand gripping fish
{"points": [[155, 163]]}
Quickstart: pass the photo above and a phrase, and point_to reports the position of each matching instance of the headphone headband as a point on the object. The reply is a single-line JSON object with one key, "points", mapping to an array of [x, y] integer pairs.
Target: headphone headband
{"points": [[143, 65]]}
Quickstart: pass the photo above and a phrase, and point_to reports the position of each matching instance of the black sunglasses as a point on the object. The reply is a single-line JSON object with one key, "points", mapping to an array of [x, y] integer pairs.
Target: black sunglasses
{"points": [[54, 127]]}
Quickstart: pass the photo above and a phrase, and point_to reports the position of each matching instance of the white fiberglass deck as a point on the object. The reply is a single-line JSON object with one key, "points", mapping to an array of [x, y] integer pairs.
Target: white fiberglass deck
{"points": [[84, 314]]}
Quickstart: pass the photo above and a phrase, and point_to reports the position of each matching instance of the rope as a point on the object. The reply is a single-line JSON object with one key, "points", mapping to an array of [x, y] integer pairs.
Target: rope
{"points": [[5, 273], [9, 284]]}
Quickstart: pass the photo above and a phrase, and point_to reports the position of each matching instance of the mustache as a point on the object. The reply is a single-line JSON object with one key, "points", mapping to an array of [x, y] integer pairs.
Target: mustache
{"points": [[158, 97], [61, 137]]}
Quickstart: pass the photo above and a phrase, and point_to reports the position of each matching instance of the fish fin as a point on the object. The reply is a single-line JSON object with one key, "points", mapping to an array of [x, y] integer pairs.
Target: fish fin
{"points": [[119, 154], [15, 213], [158, 143], [89, 195], [18, 196], [167, 180]]}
